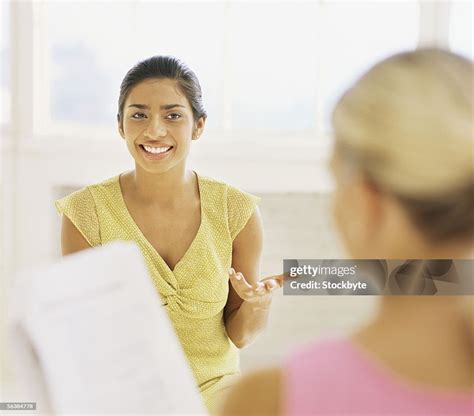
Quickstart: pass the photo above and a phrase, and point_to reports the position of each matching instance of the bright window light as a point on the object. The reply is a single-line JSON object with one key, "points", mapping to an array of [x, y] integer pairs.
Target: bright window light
{"points": [[91, 53], [4, 63], [460, 39], [274, 62], [357, 35], [270, 67]]}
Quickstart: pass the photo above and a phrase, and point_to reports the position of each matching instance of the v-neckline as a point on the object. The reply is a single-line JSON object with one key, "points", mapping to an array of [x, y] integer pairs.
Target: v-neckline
{"points": [[147, 242]]}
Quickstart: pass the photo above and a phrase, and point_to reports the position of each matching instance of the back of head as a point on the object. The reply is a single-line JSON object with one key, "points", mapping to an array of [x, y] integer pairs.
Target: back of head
{"points": [[407, 125]]}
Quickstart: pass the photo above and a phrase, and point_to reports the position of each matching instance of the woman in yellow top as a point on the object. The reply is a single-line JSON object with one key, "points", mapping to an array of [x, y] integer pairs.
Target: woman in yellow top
{"points": [[193, 231]]}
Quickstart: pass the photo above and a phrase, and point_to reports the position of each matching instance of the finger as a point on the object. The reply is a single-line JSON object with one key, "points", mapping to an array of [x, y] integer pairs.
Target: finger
{"points": [[255, 292], [234, 275], [274, 283], [271, 284], [244, 289], [258, 285], [241, 278], [279, 279], [260, 288], [238, 282], [258, 293]]}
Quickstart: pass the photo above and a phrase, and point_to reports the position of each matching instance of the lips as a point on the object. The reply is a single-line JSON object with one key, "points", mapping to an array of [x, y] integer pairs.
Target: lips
{"points": [[156, 149], [155, 152]]}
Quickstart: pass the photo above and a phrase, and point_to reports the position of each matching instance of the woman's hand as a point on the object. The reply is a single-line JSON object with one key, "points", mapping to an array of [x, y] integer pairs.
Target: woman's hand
{"points": [[260, 293]]}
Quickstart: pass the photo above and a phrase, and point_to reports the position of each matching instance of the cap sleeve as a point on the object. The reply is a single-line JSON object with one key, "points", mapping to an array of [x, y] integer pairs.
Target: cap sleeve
{"points": [[240, 207], [80, 208]]}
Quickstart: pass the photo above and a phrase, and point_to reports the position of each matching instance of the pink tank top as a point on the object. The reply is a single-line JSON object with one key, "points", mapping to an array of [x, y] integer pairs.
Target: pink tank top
{"points": [[337, 377]]}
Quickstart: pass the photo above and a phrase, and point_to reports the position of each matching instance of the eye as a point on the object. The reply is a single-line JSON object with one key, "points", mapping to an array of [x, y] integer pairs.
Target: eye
{"points": [[140, 115], [173, 116]]}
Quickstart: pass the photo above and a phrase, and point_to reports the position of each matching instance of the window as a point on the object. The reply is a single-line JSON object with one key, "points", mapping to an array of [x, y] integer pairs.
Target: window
{"points": [[273, 61], [460, 39], [357, 35], [90, 60], [4, 63], [276, 68]]}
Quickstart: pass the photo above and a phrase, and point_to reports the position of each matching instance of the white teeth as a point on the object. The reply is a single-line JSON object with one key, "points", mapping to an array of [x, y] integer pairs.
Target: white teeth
{"points": [[156, 150]]}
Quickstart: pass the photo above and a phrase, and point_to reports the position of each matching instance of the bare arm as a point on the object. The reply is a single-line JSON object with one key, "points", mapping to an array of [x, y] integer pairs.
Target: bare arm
{"points": [[245, 319], [71, 239], [257, 394]]}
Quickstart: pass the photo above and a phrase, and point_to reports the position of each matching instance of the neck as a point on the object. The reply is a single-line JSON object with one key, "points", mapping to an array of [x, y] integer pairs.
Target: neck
{"points": [[166, 187]]}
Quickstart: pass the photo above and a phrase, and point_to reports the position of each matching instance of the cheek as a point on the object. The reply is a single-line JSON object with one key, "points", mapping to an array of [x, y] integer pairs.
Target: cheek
{"points": [[182, 136], [337, 208], [341, 213], [132, 129], [182, 130]]}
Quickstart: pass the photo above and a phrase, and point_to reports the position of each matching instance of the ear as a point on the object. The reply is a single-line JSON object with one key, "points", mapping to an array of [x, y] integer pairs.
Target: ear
{"points": [[198, 128], [120, 130]]}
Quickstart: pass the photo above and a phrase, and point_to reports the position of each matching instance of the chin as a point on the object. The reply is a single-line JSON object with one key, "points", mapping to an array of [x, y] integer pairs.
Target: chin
{"points": [[157, 168], [154, 169]]}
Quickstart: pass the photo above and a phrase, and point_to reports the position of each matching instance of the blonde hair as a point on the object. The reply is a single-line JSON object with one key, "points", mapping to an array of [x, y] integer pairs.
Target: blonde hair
{"points": [[407, 125]]}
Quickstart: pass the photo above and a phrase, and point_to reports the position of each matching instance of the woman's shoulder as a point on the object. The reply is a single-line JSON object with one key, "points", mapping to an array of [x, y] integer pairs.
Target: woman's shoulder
{"points": [[104, 184], [229, 191], [109, 183], [271, 391], [237, 204], [83, 206], [212, 183], [327, 355], [263, 390], [325, 346], [100, 191], [87, 196]]}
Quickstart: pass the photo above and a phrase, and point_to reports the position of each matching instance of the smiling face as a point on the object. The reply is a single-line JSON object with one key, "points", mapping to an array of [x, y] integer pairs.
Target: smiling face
{"points": [[158, 125]]}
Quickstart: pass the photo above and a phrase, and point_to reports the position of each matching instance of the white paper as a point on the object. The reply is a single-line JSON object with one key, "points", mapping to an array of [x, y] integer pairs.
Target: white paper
{"points": [[102, 340]]}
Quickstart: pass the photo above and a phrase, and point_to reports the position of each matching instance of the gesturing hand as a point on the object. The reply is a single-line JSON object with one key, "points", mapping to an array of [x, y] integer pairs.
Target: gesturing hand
{"points": [[260, 292]]}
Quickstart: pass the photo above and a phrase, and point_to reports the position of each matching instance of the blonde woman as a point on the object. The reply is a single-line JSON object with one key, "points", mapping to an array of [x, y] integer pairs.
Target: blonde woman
{"points": [[403, 166]]}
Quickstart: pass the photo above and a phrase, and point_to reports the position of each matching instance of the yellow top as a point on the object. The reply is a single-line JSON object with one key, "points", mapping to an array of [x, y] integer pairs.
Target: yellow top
{"points": [[196, 291]]}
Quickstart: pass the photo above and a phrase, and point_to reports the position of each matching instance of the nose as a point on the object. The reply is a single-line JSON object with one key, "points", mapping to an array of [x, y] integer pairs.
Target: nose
{"points": [[155, 128]]}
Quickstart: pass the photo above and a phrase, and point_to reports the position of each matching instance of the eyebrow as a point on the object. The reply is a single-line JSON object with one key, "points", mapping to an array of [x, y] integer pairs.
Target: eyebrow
{"points": [[163, 107]]}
